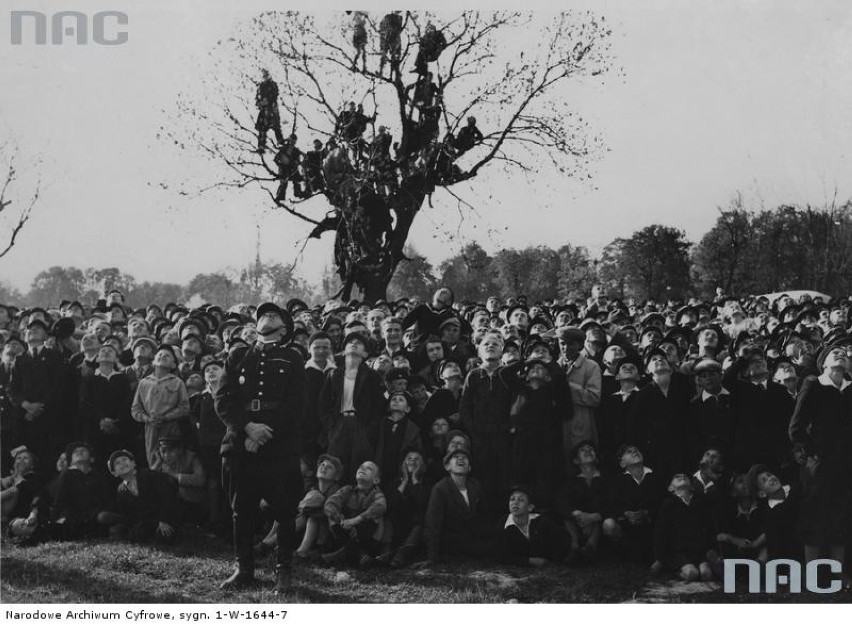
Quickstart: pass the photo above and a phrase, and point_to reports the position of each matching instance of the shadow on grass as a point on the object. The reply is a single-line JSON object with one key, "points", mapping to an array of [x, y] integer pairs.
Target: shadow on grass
{"points": [[20, 577]]}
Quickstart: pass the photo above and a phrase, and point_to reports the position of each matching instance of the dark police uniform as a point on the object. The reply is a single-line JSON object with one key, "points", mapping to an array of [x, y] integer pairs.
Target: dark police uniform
{"points": [[263, 384]]}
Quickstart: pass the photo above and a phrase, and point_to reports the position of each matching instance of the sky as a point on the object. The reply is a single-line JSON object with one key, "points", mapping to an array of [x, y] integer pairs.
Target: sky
{"points": [[714, 98]]}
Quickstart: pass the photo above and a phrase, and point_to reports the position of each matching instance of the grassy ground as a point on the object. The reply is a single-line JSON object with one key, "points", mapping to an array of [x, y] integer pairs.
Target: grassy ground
{"points": [[124, 573]]}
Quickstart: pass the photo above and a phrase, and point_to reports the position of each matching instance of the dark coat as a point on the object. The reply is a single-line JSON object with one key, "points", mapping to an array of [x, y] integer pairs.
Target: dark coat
{"points": [[683, 533], [352, 438], [452, 526], [276, 379], [547, 540], [157, 500], [822, 424], [659, 424]]}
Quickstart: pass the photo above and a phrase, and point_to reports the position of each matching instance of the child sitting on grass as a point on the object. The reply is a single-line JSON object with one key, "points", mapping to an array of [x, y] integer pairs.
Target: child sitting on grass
{"points": [[780, 504], [355, 517], [635, 500], [582, 503], [311, 517], [527, 538], [683, 534], [146, 505]]}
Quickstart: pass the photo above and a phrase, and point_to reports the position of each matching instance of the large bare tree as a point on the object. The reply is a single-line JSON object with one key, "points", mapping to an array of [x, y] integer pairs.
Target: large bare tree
{"points": [[512, 71], [16, 203]]}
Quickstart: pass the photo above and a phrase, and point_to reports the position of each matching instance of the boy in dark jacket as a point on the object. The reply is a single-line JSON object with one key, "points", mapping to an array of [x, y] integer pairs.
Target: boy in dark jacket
{"points": [[527, 538], [636, 497], [583, 503], [146, 505], [454, 517], [683, 533], [780, 505], [82, 493], [396, 435]]}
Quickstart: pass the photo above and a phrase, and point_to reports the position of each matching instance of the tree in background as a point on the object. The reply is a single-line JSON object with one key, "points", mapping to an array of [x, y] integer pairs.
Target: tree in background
{"points": [[725, 255], [469, 273], [651, 264], [788, 248], [577, 273], [515, 91], [55, 284]]}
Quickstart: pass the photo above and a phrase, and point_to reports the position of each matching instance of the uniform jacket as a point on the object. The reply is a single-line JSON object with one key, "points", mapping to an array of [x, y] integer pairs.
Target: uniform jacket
{"points": [[273, 378]]}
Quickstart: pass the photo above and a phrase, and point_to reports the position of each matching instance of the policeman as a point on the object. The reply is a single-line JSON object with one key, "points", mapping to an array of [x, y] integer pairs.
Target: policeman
{"points": [[261, 403]]}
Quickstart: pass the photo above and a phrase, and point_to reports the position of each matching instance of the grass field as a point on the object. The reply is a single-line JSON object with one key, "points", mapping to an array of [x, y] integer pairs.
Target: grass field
{"points": [[124, 573]]}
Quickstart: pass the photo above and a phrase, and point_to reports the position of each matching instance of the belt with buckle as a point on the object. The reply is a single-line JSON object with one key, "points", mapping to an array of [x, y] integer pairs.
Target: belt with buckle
{"points": [[348, 413], [256, 405]]}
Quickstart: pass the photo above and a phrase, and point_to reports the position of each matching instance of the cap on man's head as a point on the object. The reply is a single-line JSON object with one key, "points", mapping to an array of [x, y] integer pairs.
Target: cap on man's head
{"points": [[455, 452], [38, 323], [144, 340], [354, 336], [69, 450], [570, 333], [707, 365], [119, 453]]}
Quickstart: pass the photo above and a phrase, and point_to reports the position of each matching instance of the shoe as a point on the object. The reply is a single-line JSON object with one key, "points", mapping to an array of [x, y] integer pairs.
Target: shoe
{"points": [[335, 557], [302, 555], [385, 558], [239, 579], [283, 580], [365, 560]]}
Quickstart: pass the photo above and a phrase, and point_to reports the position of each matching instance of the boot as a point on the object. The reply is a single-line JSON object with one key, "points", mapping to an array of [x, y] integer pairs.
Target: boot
{"points": [[283, 579], [241, 578]]}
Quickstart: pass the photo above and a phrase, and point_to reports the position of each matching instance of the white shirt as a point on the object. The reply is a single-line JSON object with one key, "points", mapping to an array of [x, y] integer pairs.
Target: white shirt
{"points": [[777, 502], [705, 395], [312, 364], [705, 485], [826, 381], [510, 521], [645, 471], [348, 402]]}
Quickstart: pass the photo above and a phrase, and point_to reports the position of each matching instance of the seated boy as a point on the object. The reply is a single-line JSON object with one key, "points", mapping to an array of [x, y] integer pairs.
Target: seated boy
{"points": [[23, 506], [81, 494], [146, 505], [635, 499], [781, 507], [583, 502], [311, 517], [408, 497], [527, 538], [683, 534], [355, 517], [186, 468]]}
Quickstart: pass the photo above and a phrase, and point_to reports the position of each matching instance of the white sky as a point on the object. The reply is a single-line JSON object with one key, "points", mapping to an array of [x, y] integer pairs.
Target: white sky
{"points": [[716, 97]]}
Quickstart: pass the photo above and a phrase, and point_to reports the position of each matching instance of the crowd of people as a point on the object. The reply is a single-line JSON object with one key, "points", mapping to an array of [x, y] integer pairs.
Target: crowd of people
{"points": [[674, 434]]}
